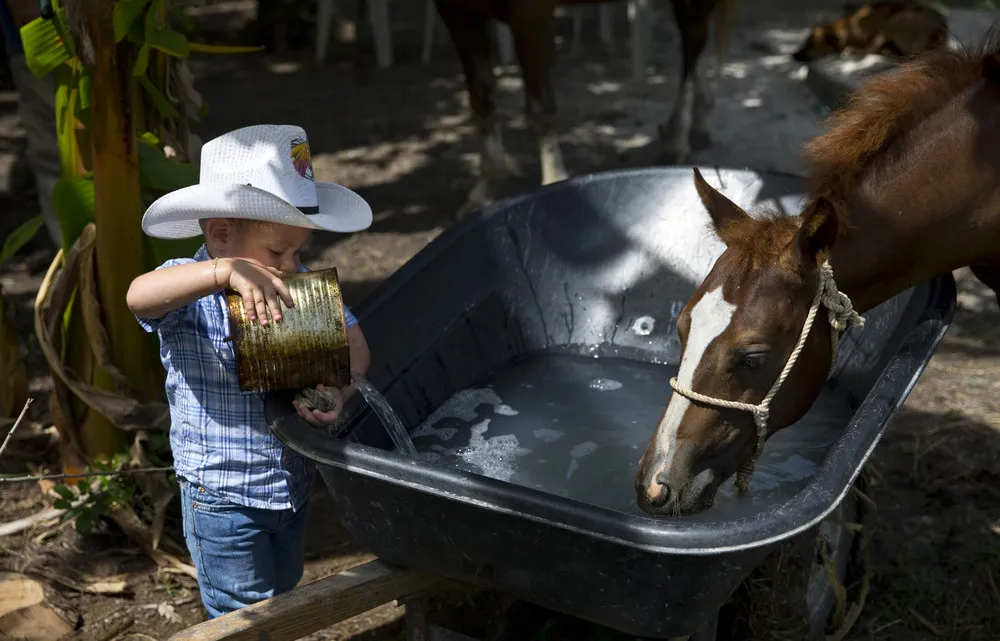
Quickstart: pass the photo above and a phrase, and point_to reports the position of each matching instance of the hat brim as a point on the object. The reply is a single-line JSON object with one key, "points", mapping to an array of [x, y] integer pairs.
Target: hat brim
{"points": [[176, 214]]}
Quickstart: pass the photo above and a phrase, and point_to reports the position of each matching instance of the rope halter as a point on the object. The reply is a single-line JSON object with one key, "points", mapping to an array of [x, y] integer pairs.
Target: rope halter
{"points": [[840, 313]]}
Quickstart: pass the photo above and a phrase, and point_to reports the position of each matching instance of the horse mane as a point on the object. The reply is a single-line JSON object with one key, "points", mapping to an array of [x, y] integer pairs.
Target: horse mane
{"points": [[886, 107]]}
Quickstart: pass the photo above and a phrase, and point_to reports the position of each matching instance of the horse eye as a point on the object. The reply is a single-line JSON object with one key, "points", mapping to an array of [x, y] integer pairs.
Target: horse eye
{"points": [[752, 360]]}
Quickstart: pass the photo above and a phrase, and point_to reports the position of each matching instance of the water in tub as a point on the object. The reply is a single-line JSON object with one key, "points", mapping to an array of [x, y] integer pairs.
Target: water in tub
{"points": [[576, 427]]}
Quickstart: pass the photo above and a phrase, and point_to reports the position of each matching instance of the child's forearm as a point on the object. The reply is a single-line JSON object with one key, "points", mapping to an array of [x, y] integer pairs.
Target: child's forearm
{"points": [[360, 357], [155, 293]]}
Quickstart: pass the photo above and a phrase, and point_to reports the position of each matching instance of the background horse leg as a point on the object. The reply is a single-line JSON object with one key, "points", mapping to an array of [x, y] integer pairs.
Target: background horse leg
{"points": [[686, 128], [532, 25], [469, 31], [704, 100], [988, 274]]}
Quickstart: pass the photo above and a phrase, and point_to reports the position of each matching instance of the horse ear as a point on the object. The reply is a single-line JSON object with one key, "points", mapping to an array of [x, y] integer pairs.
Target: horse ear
{"points": [[818, 232], [725, 213]]}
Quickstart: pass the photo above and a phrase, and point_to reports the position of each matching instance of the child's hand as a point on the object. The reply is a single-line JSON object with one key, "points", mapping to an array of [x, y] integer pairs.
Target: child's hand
{"points": [[260, 287], [319, 408]]}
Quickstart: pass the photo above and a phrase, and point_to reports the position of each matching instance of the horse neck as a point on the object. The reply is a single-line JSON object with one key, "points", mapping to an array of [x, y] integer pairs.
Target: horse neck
{"points": [[926, 206]]}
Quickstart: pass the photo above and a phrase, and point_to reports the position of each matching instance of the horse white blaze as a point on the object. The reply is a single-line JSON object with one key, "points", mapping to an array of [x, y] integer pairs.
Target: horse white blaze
{"points": [[709, 318]]}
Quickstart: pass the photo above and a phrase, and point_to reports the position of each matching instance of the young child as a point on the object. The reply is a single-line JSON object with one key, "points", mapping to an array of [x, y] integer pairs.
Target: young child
{"points": [[243, 494]]}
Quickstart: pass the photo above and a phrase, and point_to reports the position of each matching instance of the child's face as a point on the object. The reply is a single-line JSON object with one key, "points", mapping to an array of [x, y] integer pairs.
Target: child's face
{"points": [[270, 244]]}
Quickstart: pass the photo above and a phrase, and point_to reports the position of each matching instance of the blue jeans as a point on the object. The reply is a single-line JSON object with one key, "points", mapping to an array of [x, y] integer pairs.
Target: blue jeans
{"points": [[243, 555]]}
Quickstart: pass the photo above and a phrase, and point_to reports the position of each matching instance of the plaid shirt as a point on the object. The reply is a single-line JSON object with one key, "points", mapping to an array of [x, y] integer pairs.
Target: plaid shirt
{"points": [[219, 434]]}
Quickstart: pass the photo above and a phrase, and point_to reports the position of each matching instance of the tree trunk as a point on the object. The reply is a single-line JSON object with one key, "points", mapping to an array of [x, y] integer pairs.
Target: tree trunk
{"points": [[118, 208]]}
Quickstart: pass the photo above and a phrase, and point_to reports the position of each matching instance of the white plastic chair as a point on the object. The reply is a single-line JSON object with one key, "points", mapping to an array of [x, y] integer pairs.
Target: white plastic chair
{"points": [[639, 12], [378, 17]]}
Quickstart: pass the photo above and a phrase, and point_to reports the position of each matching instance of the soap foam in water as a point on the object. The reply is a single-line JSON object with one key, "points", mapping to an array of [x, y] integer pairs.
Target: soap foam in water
{"points": [[503, 430], [578, 452], [493, 457], [605, 385], [545, 435]]}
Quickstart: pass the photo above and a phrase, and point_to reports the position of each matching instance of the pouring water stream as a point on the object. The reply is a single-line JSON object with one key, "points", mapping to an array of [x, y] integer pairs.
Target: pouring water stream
{"points": [[387, 416]]}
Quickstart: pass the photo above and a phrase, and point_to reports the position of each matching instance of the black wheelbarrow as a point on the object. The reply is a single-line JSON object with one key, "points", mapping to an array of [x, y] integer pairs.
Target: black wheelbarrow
{"points": [[529, 349]]}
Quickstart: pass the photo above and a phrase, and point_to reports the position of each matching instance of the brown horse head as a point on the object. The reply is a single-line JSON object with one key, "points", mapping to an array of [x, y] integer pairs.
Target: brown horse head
{"points": [[737, 333], [910, 159]]}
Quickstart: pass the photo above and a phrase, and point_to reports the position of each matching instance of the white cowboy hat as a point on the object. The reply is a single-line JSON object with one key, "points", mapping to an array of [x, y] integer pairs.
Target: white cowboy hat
{"points": [[262, 172]]}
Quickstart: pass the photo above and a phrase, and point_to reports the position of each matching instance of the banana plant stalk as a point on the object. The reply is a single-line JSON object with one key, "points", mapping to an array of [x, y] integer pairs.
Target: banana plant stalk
{"points": [[125, 109], [118, 204]]}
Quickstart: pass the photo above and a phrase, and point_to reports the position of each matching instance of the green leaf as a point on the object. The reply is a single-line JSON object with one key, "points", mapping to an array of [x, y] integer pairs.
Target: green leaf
{"points": [[64, 492], [67, 318], [187, 24], [44, 49], [141, 61], [169, 42], [159, 101], [137, 32], [159, 174], [82, 486], [159, 250], [66, 80], [83, 115], [84, 90], [62, 504], [149, 138], [85, 523], [125, 14], [59, 21], [73, 201], [20, 237], [152, 18]]}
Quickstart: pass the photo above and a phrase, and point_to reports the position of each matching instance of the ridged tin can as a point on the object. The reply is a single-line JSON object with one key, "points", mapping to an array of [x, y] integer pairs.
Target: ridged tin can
{"points": [[308, 347]]}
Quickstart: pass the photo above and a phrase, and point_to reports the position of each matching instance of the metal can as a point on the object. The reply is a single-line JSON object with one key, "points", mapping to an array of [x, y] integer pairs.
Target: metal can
{"points": [[308, 347]]}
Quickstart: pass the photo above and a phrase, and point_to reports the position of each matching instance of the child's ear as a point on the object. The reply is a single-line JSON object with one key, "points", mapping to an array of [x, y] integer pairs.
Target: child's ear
{"points": [[219, 231]]}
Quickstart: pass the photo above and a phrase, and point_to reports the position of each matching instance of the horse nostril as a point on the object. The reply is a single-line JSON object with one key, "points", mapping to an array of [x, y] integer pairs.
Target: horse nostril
{"points": [[663, 496]]}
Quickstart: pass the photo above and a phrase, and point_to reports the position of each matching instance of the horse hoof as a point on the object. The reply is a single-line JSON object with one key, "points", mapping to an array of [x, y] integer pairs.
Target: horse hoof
{"points": [[675, 148], [700, 140], [555, 177], [468, 207], [674, 156]]}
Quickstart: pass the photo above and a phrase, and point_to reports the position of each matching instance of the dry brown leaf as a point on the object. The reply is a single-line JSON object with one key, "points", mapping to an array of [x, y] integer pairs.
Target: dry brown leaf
{"points": [[127, 413], [25, 612], [154, 486]]}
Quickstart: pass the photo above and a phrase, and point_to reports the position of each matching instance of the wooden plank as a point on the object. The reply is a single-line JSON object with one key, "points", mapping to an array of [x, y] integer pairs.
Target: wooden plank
{"points": [[417, 627], [444, 634], [313, 606]]}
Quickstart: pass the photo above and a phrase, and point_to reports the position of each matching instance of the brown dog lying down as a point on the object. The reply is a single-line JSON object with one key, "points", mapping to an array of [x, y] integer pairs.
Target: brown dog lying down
{"points": [[899, 29]]}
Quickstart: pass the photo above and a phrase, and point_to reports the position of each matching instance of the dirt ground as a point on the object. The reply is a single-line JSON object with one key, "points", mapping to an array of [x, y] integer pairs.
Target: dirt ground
{"points": [[403, 139]]}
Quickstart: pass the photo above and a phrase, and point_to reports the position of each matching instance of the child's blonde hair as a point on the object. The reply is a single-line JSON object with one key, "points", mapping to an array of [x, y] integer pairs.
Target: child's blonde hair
{"points": [[241, 224]]}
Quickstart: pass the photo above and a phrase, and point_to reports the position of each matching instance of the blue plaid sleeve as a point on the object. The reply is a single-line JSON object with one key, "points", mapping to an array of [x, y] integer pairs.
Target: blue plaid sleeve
{"points": [[155, 324], [348, 315]]}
